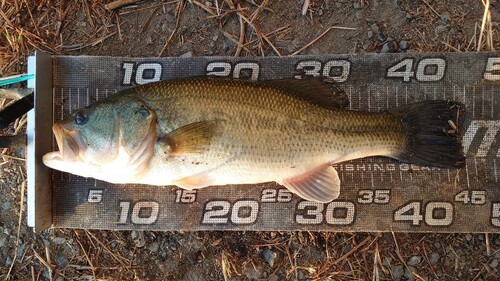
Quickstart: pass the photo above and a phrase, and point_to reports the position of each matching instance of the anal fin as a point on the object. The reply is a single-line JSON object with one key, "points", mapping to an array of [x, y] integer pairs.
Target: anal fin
{"points": [[319, 185], [195, 181]]}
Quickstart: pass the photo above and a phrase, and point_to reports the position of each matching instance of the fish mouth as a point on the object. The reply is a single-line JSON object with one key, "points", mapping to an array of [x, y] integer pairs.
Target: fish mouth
{"points": [[69, 142]]}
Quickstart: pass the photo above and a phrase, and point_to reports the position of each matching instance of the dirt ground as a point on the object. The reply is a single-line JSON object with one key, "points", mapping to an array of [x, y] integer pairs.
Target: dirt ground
{"points": [[209, 28]]}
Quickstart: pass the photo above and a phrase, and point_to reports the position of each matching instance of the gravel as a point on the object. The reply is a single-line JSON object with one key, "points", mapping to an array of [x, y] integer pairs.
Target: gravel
{"points": [[434, 258], [138, 237], [59, 240], [494, 263], [397, 272], [414, 260], [61, 261], [3, 241], [403, 45], [6, 205], [187, 55], [269, 256], [153, 247], [388, 47], [408, 273], [375, 28]]}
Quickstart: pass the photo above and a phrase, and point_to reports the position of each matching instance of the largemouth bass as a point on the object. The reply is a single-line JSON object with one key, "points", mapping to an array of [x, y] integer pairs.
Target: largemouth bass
{"points": [[198, 132]]}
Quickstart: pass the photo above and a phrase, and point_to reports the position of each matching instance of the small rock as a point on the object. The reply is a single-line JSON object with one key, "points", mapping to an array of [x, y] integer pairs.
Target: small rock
{"points": [[494, 263], [215, 38], [381, 37], [274, 277], [187, 55], [208, 4], [403, 45], [408, 273], [439, 273], [408, 17], [370, 34], [6, 231], [253, 273], [314, 51], [445, 18], [212, 44], [47, 273], [497, 255], [320, 12], [356, 5], [374, 28], [8, 261], [59, 240], [6, 205], [468, 236], [440, 29], [414, 260], [61, 261], [397, 271], [437, 245], [3, 240], [434, 258], [497, 241], [269, 256], [138, 237], [388, 47], [153, 247]]}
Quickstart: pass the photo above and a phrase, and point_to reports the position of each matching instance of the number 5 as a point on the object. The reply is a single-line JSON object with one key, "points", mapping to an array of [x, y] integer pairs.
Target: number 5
{"points": [[495, 214], [492, 66], [95, 196]]}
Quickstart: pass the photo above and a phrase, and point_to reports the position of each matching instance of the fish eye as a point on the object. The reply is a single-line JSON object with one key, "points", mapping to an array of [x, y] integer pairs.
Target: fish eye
{"points": [[81, 117]]}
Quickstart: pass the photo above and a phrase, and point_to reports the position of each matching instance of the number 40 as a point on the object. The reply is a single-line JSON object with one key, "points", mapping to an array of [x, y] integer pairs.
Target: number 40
{"points": [[427, 70]]}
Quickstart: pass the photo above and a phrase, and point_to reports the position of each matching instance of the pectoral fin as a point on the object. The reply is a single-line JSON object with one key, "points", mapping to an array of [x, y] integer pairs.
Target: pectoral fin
{"points": [[194, 138], [319, 185]]}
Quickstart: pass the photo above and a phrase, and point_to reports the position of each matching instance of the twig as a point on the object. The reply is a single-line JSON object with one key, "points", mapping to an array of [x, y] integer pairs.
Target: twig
{"points": [[352, 250], [119, 259], [44, 262], [430, 7], [305, 7], [487, 241], [319, 37], [21, 205], [242, 37], [119, 3], [87, 257], [483, 23], [398, 252], [180, 8], [204, 7], [259, 33]]}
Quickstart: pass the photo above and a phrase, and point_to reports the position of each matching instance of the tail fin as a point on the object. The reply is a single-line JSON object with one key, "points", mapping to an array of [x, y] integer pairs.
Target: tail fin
{"points": [[432, 137]]}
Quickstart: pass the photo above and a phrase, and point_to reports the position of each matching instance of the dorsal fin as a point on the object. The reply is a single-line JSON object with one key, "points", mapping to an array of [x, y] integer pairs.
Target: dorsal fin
{"points": [[314, 90]]}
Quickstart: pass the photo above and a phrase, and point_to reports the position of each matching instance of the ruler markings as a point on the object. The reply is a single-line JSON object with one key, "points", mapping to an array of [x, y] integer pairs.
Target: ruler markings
{"points": [[495, 169]]}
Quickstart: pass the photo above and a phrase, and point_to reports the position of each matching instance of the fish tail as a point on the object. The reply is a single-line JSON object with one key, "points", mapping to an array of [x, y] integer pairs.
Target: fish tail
{"points": [[432, 133]]}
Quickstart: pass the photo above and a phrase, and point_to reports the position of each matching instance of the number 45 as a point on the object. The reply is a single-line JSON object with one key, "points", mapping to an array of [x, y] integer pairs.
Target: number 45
{"points": [[428, 70]]}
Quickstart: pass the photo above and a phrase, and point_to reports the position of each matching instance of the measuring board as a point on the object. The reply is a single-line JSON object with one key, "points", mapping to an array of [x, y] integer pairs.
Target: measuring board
{"points": [[377, 193]]}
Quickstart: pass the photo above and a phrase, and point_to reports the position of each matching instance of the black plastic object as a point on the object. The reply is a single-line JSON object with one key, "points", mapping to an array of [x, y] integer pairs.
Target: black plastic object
{"points": [[16, 110]]}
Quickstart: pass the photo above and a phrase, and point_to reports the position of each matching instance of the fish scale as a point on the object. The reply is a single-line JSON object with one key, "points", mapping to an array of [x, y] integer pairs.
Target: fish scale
{"points": [[271, 130]]}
